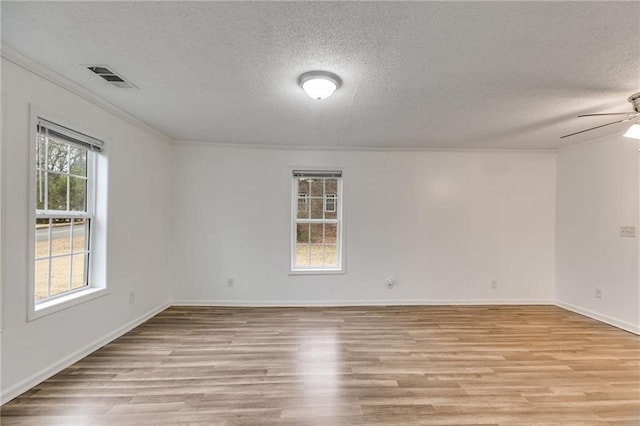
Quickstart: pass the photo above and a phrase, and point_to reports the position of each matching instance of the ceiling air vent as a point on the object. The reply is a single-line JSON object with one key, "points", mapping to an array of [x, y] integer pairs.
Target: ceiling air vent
{"points": [[111, 77]]}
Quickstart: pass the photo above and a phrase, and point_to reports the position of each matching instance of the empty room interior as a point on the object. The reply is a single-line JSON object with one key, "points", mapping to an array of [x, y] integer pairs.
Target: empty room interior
{"points": [[320, 213]]}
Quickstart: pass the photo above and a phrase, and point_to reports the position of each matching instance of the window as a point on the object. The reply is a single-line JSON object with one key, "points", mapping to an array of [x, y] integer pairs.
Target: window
{"points": [[303, 202], [317, 221], [330, 203], [64, 210]]}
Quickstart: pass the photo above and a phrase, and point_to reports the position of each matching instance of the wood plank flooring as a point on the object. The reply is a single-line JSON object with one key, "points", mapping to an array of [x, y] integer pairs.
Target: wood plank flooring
{"points": [[422, 365]]}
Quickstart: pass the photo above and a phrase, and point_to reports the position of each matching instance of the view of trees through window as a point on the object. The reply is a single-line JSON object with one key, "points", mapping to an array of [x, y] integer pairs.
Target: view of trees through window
{"points": [[61, 179], [62, 218]]}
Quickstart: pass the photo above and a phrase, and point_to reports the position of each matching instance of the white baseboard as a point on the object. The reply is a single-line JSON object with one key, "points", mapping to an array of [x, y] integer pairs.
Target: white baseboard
{"points": [[372, 302], [624, 325], [76, 356]]}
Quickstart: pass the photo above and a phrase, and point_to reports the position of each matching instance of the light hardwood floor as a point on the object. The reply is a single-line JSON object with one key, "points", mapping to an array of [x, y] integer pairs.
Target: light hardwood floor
{"points": [[429, 365]]}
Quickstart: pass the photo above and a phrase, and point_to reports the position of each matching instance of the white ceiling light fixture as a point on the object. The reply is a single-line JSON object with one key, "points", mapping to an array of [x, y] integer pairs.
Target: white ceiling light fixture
{"points": [[319, 84], [633, 132]]}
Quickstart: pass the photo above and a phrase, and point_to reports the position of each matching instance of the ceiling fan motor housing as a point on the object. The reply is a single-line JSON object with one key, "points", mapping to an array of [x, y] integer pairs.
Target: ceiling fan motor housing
{"points": [[635, 101]]}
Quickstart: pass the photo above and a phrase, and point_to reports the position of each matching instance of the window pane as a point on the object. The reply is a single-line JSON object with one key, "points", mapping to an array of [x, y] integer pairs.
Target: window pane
{"points": [[42, 237], [330, 255], [316, 187], [77, 161], [42, 277], [316, 233], [302, 254], [78, 194], [330, 233], [302, 233], [317, 256], [58, 156], [302, 244], [317, 208], [60, 237], [57, 192], [79, 235], [78, 276], [331, 186], [303, 186], [60, 268], [303, 206]]}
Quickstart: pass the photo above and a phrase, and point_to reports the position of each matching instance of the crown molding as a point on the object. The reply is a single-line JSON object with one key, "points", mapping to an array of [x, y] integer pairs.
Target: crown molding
{"points": [[608, 138], [360, 148], [40, 70]]}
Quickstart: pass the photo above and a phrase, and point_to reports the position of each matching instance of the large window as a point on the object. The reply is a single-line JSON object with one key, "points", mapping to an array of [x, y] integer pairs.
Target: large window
{"points": [[317, 221], [65, 199]]}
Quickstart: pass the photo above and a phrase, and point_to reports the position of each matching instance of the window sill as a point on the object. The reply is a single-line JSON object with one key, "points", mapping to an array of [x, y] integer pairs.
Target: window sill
{"points": [[317, 272], [63, 302]]}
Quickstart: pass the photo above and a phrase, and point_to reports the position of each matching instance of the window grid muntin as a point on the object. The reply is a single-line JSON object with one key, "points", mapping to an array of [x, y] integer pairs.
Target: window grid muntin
{"points": [[71, 215], [323, 220]]}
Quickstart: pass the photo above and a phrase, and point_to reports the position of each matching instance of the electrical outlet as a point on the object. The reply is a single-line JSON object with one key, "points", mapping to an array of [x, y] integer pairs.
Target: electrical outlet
{"points": [[390, 283], [494, 284], [627, 231], [132, 297], [231, 282], [598, 294]]}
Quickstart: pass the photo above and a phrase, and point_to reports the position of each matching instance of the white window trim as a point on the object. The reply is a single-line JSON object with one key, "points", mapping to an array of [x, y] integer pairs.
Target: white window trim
{"points": [[3, 133], [97, 270], [340, 218]]}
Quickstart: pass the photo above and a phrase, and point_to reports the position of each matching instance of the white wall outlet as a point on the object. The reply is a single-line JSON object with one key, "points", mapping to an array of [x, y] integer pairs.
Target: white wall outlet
{"points": [[391, 283], [598, 294], [494, 284], [627, 231], [132, 297], [231, 282]]}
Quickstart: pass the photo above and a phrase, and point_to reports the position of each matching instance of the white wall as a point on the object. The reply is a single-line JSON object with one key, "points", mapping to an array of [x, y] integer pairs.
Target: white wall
{"points": [[443, 224], [138, 200], [597, 192]]}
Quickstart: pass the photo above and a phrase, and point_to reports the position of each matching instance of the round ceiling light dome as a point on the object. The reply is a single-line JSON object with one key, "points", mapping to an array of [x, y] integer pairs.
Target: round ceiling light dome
{"points": [[319, 84]]}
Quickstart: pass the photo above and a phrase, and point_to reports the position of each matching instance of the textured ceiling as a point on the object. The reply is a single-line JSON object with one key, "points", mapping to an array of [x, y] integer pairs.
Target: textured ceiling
{"points": [[415, 74]]}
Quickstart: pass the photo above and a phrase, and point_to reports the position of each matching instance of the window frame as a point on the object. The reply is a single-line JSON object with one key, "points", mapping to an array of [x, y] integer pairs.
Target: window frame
{"points": [[95, 261], [88, 214], [339, 221]]}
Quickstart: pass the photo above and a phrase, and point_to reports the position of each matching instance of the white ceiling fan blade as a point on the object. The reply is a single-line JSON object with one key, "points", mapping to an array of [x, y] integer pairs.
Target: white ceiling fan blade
{"points": [[597, 127], [609, 113]]}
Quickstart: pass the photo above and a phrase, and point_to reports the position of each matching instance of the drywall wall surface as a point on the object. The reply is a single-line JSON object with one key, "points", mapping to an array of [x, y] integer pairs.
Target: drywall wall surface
{"points": [[137, 202], [597, 193], [443, 225]]}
